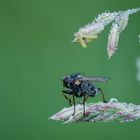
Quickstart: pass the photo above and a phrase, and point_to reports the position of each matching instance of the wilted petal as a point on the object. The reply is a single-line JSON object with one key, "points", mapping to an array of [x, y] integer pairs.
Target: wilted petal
{"points": [[92, 29], [113, 40], [119, 25], [106, 18], [122, 22]]}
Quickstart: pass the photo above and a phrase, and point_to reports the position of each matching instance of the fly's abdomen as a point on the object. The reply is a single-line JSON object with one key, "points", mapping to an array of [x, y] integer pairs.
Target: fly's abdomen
{"points": [[88, 89]]}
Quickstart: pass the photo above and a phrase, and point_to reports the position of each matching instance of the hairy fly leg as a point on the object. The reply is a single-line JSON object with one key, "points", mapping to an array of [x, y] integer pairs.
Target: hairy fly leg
{"points": [[84, 100], [64, 92], [103, 97], [74, 104]]}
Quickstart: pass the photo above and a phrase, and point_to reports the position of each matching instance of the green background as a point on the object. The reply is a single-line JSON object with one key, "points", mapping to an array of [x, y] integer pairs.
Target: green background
{"points": [[36, 51]]}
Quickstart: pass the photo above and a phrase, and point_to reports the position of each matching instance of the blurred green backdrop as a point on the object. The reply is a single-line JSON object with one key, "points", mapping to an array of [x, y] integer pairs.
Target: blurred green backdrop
{"points": [[36, 51]]}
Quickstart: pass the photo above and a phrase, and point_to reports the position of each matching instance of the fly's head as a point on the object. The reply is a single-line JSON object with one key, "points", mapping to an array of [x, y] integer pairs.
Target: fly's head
{"points": [[67, 82], [72, 80]]}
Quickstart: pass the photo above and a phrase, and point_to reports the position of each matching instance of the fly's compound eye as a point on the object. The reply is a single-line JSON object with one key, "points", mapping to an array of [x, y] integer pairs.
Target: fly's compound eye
{"points": [[77, 82]]}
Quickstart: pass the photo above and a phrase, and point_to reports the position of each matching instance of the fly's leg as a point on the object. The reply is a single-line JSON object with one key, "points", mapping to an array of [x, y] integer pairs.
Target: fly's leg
{"points": [[84, 100], [66, 97], [74, 105], [103, 97]]}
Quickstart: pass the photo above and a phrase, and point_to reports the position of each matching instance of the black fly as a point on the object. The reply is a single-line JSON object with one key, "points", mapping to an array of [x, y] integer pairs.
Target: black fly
{"points": [[79, 86]]}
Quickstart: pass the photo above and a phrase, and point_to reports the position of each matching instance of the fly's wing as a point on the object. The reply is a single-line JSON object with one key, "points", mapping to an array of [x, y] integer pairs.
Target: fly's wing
{"points": [[95, 79]]}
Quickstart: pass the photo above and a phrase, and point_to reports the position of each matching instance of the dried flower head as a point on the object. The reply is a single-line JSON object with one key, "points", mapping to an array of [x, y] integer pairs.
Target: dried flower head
{"points": [[100, 112], [89, 32]]}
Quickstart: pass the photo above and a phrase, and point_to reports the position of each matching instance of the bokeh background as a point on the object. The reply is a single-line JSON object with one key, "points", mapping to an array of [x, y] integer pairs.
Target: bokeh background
{"points": [[36, 51]]}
